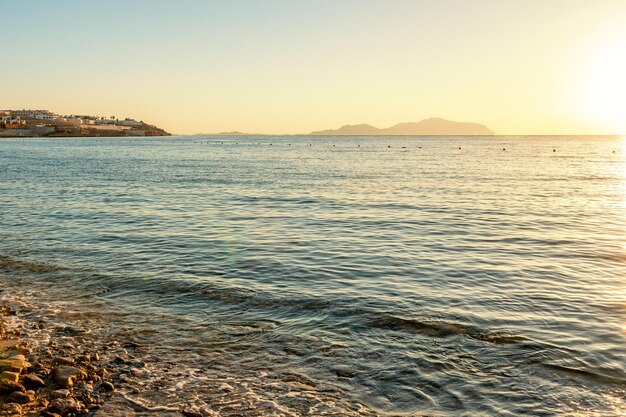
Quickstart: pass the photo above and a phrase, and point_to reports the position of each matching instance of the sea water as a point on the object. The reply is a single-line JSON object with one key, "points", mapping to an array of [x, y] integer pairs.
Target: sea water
{"points": [[341, 275]]}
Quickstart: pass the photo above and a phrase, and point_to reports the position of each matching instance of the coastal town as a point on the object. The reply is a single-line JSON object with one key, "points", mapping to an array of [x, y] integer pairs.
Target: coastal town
{"points": [[44, 123]]}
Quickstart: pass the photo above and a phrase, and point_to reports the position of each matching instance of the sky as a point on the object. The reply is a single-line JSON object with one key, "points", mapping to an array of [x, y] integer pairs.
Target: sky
{"points": [[294, 66]]}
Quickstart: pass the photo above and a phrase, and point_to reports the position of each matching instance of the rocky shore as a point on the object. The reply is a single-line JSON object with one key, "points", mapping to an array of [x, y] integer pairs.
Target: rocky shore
{"points": [[69, 351], [62, 373]]}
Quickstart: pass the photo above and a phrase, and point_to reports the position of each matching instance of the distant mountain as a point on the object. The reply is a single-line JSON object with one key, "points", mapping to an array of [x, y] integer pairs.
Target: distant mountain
{"points": [[351, 130], [233, 133], [428, 127]]}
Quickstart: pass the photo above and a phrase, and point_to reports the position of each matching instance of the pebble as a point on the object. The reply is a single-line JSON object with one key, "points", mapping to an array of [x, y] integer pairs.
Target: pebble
{"points": [[65, 406], [7, 387], [67, 376], [32, 380], [13, 365], [20, 397], [49, 414], [60, 393], [107, 386], [63, 361], [10, 376], [68, 373], [190, 412], [10, 409]]}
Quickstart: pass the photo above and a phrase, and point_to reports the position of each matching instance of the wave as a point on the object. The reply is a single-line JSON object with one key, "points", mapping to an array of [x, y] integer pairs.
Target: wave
{"points": [[15, 264], [594, 376], [243, 298], [442, 329]]}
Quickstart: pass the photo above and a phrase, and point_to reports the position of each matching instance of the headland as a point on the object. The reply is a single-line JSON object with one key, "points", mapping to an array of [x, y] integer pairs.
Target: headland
{"points": [[44, 123]]}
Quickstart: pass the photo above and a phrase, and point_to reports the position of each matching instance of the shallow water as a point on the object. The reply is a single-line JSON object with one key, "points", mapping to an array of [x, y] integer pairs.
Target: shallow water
{"points": [[387, 275]]}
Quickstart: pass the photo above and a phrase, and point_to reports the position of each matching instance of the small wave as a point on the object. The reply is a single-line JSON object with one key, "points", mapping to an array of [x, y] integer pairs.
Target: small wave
{"points": [[444, 329], [587, 374], [14, 264]]}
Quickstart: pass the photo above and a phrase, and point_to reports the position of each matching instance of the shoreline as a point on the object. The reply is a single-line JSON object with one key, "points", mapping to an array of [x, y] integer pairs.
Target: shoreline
{"points": [[122, 368], [53, 369]]}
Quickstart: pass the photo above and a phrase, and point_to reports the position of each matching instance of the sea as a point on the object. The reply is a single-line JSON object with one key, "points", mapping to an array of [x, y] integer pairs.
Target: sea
{"points": [[337, 276]]}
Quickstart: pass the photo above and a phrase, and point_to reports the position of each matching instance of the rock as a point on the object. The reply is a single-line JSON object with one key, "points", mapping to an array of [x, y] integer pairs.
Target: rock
{"points": [[121, 361], [33, 381], [107, 386], [60, 393], [19, 398], [10, 376], [49, 414], [13, 365], [140, 373], [190, 412], [8, 344], [65, 406], [60, 360], [94, 378], [9, 409], [87, 388], [67, 376], [7, 387], [344, 372], [124, 378]]}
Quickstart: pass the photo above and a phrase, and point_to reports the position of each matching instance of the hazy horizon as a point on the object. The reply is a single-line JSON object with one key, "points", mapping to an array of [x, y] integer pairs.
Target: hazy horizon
{"points": [[284, 67]]}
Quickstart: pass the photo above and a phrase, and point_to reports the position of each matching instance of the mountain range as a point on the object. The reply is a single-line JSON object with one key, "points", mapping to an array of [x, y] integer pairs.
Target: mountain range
{"points": [[434, 126]]}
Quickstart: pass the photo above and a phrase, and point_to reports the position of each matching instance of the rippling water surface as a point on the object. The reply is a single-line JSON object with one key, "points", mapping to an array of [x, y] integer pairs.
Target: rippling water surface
{"points": [[408, 275]]}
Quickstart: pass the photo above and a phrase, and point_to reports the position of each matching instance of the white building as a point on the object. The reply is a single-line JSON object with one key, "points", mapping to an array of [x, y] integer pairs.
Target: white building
{"points": [[34, 114], [129, 122], [105, 121], [74, 120], [10, 120]]}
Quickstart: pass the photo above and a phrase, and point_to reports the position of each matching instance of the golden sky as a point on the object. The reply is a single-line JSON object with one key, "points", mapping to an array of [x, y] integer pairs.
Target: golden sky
{"points": [[289, 66]]}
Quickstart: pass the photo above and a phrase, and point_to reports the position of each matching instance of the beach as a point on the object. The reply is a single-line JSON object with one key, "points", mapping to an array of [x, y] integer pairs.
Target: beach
{"points": [[52, 363], [62, 357]]}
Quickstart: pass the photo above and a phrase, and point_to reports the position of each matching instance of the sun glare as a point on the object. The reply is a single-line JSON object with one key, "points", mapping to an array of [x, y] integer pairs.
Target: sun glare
{"points": [[604, 91]]}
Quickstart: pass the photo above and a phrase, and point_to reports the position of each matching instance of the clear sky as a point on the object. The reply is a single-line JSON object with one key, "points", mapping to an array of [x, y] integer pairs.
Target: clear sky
{"points": [[289, 66]]}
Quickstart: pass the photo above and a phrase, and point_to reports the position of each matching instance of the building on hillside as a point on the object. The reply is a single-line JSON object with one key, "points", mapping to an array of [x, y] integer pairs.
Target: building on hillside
{"points": [[7, 119], [34, 114], [104, 121], [74, 120], [129, 122]]}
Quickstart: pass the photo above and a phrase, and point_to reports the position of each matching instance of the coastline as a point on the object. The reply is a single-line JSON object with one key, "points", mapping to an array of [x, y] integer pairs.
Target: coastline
{"points": [[118, 369], [50, 368]]}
